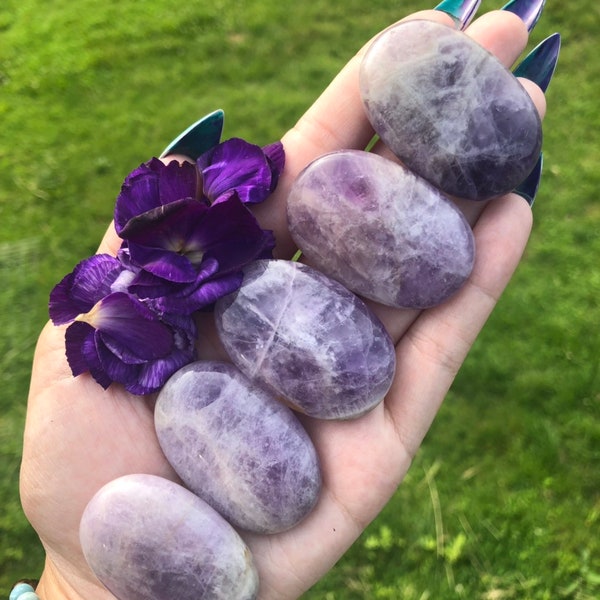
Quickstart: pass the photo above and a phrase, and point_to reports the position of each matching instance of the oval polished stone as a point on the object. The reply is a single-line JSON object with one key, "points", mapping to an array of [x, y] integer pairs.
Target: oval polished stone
{"points": [[147, 538], [383, 232], [308, 338], [237, 447], [450, 110]]}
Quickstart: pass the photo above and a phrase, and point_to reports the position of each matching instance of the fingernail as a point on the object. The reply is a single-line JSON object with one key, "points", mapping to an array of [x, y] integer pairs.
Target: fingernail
{"points": [[529, 188], [198, 137], [529, 11], [462, 11], [539, 65]]}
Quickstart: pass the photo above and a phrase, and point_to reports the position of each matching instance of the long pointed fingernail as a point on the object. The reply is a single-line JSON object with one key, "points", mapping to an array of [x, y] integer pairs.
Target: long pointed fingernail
{"points": [[529, 188], [198, 137], [529, 11], [539, 65], [462, 11]]}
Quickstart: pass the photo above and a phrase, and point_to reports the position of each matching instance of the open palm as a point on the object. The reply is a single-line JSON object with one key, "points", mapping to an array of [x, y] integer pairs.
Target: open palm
{"points": [[78, 436]]}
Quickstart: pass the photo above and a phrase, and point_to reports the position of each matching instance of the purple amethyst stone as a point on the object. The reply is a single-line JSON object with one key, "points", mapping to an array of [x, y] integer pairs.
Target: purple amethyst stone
{"points": [[308, 338], [449, 110], [383, 232], [237, 447], [147, 538]]}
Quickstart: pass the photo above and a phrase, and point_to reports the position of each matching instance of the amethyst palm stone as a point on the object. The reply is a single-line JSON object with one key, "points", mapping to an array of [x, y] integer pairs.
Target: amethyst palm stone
{"points": [[147, 538], [449, 110], [383, 232], [307, 337], [237, 447]]}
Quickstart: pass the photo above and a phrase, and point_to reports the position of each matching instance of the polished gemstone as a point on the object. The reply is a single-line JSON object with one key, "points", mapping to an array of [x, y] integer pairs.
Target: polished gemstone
{"points": [[380, 230], [147, 538], [308, 338], [450, 110], [237, 447]]}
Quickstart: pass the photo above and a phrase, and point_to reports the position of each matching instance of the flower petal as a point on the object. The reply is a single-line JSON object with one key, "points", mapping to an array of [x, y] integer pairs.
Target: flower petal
{"points": [[117, 370], [151, 185], [193, 298], [166, 226], [152, 376], [82, 354], [133, 330], [147, 285], [81, 289], [165, 264], [276, 156], [235, 165], [232, 235]]}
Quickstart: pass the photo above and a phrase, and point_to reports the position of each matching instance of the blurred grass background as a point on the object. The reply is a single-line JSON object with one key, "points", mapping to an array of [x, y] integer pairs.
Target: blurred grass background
{"points": [[503, 499]]}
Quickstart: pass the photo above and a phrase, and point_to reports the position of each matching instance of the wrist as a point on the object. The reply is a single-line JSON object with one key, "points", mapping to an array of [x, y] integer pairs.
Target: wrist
{"points": [[56, 584]]}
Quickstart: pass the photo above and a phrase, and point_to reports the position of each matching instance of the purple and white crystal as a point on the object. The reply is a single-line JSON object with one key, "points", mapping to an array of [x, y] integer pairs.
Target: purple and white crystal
{"points": [[147, 538], [383, 232], [308, 338], [450, 110], [237, 447]]}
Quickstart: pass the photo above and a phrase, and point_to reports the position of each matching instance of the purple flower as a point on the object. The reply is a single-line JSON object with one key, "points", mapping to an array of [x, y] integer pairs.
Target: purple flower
{"points": [[114, 335], [187, 233], [236, 165], [152, 186], [231, 166], [189, 244], [190, 254]]}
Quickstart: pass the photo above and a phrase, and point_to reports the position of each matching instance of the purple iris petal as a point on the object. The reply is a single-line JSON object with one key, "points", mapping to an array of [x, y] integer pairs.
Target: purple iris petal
{"points": [[276, 156], [235, 165], [166, 226], [77, 335], [192, 297], [151, 377], [117, 370], [168, 242], [152, 185], [108, 359], [82, 356], [81, 289], [233, 236], [128, 328], [225, 239], [148, 286], [168, 265]]}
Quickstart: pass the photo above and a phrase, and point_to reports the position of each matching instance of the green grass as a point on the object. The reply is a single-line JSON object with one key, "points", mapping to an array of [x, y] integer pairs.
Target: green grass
{"points": [[503, 499]]}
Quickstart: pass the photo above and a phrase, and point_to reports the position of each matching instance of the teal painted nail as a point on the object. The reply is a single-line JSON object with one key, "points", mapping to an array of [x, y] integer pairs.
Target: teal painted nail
{"points": [[529, 188], [529, 11], [199, 137], [462, 11], [539, 65]]}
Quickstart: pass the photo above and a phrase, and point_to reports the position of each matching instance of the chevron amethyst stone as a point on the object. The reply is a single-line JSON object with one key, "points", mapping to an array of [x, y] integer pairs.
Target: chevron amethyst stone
{"points": [[147, 538], [258, 467], [450, 110], [383, 232], [308, 338]]}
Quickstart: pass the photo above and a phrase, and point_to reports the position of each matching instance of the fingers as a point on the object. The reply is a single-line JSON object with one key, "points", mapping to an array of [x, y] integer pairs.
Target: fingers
{"points": [[111, 242], [502, 33], [433, 349]]}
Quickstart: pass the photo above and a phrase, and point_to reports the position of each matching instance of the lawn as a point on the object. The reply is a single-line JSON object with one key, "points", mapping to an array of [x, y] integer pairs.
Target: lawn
{"points": [[503, 500]]}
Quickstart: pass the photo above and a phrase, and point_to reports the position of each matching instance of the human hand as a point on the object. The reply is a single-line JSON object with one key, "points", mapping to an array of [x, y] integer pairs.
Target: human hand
{"points": [[78, 436]]}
